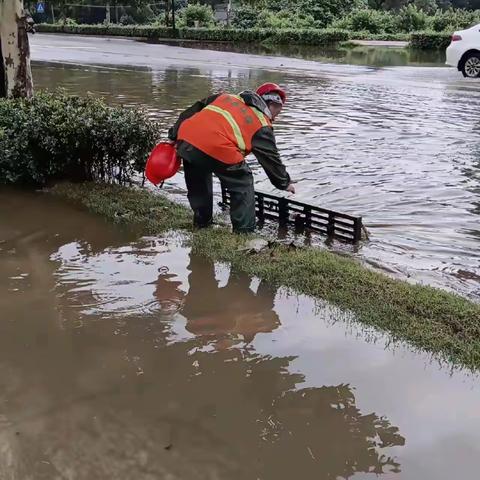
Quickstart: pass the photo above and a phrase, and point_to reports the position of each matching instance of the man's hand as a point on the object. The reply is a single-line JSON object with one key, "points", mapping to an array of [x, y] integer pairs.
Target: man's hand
{"points": [[290, 188]]}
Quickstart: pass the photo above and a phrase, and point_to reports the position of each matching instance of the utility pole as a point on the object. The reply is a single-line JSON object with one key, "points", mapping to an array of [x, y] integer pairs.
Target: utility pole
{"points": [[107, 12]]}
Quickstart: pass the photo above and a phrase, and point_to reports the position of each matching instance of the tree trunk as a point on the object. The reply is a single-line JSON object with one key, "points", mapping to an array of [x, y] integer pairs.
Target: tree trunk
{"points": [[173, 18], [15, 71], [167, 11], [229, 12], [107, 13], [3, 81]]}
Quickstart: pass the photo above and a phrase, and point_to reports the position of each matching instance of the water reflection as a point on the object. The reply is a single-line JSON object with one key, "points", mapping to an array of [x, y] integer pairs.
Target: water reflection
{"points": [[222, 418], [359, 55], [229, 314]]}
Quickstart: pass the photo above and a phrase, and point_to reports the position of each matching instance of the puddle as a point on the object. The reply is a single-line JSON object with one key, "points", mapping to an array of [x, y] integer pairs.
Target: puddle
{"points": [[124, 358]]}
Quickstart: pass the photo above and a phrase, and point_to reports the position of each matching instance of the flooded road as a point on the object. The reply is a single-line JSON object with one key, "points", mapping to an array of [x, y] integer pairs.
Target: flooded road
{"points": [[398, 145], [125, 358]]}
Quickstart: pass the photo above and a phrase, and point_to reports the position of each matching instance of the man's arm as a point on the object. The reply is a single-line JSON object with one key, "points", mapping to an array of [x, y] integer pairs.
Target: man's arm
{"points": [[190, 112], [264, 147]]}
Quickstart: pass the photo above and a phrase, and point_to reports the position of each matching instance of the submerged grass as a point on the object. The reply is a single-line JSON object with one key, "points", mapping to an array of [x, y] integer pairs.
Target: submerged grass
{"points": [[426, 317]]}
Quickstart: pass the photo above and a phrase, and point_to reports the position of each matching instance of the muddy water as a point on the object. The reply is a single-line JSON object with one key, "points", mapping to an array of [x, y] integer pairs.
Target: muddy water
{"points": [[374, 56], [398, 145], [133, 359]]}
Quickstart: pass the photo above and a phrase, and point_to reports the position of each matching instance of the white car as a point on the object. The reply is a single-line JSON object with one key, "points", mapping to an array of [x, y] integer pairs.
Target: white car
{"points": [[464, 52]]}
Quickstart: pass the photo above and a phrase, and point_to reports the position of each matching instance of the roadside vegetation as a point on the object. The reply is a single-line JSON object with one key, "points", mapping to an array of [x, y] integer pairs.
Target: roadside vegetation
{"points": [[52, 138], [253, 35], [310, 22]]}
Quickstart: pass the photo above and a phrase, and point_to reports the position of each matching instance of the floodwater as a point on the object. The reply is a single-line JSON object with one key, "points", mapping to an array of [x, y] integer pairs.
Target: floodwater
{"points": [[399, 145], [373, 56], [124, 358]]}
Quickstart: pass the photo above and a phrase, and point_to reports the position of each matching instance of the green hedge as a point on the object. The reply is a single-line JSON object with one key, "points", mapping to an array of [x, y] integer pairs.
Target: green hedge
{"points": [[422, 40], [304, 37], [148, 31], [56, 136], [430, 40]]}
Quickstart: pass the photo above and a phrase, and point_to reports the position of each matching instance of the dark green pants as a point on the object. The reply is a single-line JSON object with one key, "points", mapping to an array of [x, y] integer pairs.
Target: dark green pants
{"points": [[237, 179]]}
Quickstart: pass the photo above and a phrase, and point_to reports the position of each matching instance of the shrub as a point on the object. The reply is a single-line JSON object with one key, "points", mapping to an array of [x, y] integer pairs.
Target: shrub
{"points": [[148, 31], [430, 40], [285, 19], [451, 20], [410, 19], [142, 14], [224, 35], [324, 12], [56, 136], [126, 19], [248, 17], [68, 21], [367, 20], [203, 14], [427, 6], [245, 17], [286, 36]]}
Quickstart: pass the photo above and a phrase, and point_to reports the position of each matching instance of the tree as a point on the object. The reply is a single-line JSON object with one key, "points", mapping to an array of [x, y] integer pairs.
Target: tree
{"points": [[395, 4], [15, 71], [323, 11], [428, 6], [375, 4]]}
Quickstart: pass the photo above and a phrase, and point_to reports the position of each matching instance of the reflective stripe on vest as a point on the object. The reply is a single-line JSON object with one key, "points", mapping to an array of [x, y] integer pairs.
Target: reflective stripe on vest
{"points": [[261, 117], [236, 129], [224, 130]]}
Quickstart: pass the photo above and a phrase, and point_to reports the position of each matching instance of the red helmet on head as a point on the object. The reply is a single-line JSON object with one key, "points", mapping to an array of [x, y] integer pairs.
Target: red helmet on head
{"points": [[272, 88]]}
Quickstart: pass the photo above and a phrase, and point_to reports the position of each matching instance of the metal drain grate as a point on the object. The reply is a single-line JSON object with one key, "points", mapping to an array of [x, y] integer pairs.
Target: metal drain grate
{"points": [[304, 217]]}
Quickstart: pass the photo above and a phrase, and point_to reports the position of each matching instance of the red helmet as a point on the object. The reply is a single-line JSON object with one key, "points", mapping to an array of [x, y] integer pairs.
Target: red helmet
{"points": [[272, 88], [163, 163]]}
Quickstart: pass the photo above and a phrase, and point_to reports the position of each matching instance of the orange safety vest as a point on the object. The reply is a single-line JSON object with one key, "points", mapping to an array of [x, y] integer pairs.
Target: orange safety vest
{"points": [[224, 129]]}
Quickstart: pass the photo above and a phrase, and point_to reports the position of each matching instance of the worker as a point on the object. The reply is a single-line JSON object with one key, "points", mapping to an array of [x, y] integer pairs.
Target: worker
{"points": [[214, 136]]}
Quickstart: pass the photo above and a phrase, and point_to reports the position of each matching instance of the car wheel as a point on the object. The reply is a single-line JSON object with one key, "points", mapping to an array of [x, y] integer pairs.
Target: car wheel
{"points": [[471, 66]]}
